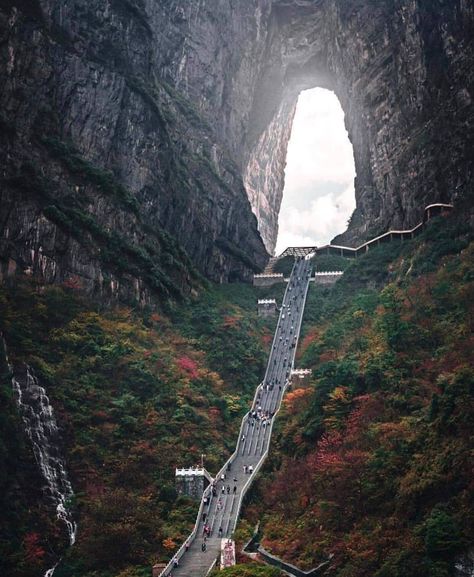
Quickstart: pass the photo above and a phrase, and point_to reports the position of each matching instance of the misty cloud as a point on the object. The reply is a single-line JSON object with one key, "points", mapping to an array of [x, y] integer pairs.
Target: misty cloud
{"points": [[318, 199]]}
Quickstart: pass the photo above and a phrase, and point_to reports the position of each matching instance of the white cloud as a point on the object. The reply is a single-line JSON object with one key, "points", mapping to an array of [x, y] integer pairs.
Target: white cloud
{"points": [[319, 193], [287, 238], [324, 217]]}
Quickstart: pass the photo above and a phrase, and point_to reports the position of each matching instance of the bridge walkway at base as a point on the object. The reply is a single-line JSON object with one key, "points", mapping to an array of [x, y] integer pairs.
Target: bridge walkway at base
{"points": [[221, 504], [432, 210]]}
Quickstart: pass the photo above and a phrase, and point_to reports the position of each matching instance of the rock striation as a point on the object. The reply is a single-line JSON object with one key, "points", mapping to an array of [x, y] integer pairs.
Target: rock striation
{"points": [[115, 172], [403, 72], [138, 136]]}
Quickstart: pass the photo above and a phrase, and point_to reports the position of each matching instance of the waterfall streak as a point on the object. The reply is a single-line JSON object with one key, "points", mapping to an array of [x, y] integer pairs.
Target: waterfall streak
{"points": [[42, 429]]}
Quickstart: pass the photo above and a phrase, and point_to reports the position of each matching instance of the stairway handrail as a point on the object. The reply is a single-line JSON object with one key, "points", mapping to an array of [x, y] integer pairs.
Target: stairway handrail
{"points": [[192, 536], [259, 465], [370, 241]]}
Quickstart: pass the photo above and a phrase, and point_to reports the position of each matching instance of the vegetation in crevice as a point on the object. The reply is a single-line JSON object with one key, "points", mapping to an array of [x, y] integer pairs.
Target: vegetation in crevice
{"points": [[77, 165], [159, 261], [186, 107], [231, 248]]}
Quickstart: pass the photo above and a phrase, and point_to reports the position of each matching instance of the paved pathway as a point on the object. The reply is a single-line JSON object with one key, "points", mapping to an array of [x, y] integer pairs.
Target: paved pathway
{"points": [[221, 506]]}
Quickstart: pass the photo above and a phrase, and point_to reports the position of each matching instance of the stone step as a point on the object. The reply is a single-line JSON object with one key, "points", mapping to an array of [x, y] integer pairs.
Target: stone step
{"points": [[270, 264], [223, 509]]}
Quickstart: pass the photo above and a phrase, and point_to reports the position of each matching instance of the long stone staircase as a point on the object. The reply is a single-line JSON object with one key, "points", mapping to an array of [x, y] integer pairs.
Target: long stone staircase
{"points": [[220, 507]]}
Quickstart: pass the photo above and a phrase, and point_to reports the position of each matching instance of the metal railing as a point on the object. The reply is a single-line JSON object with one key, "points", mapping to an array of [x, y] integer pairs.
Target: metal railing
{"points": [[178, 555], [291, 250], [182, 550], [259, 465], [292, 569], [270, 559]]}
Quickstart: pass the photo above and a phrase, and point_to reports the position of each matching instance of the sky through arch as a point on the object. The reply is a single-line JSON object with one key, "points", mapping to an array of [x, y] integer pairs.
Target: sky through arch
{"points": [[318, 198]]}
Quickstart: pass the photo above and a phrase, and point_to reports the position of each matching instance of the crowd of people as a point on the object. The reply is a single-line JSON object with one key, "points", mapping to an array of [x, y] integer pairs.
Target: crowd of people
{"points": [[218, 502]]}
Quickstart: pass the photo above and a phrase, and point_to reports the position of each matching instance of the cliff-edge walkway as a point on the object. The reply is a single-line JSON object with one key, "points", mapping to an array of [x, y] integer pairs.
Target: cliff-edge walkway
{"points": [[430, 212]]}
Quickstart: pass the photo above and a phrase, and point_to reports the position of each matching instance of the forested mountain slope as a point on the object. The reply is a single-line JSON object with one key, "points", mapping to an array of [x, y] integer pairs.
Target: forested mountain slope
{"points": [[136, 394], [372, 463]]}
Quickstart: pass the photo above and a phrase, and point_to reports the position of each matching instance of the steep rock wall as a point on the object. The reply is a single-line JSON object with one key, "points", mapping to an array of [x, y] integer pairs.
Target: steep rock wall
{"points": [[153, 117], [110, 142], [403, 72]]}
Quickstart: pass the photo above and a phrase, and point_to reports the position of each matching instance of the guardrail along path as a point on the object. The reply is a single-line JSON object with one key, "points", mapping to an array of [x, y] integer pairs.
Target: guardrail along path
{"points": [[221, 502]]}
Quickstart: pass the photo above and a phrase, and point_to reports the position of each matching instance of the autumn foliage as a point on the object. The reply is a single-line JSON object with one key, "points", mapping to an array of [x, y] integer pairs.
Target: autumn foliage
{"points": [[137, 396], [376, 463], [371, 465], [33, 550]]}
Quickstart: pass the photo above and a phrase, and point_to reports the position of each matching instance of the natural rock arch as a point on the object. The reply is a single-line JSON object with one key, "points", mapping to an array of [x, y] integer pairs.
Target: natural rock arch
{"points": [[183, 101], [399, 71]]}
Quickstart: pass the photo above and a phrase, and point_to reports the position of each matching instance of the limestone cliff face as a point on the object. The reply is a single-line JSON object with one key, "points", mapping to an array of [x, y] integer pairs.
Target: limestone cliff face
{"points": [[126, 121], [264, 172], [115, 123], [403, 72]]}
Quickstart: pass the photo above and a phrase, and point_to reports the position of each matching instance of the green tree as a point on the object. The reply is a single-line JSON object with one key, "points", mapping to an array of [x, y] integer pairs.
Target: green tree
{"points": [[442, 538]]}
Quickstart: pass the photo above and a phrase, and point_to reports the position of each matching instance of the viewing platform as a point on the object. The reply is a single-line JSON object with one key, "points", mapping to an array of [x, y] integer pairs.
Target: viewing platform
{"points": [[327, 278], [301, 373], [266, 307], [192, 481]]}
